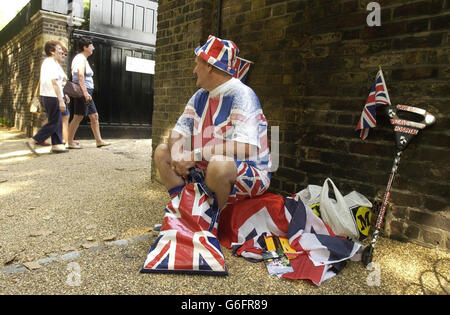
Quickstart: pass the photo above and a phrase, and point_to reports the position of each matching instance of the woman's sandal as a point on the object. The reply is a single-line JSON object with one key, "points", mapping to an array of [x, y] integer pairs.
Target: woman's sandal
{"points": [[103, 144]]}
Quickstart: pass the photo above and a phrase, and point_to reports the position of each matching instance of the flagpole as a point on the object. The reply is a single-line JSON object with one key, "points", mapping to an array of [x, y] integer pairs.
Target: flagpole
{"points": [[384, 83]]}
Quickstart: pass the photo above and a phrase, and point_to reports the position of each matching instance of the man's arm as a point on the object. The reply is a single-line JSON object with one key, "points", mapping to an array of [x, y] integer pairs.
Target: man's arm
{"points": [[230, 149]]}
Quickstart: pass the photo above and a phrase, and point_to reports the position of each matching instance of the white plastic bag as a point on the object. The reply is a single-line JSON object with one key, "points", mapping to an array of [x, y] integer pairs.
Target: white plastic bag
{"points": [[311, 197], [360, 208], [336, 213]]}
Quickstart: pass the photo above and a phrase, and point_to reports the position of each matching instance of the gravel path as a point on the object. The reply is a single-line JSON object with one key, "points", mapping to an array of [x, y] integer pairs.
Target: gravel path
{"points": [[80, 223]]}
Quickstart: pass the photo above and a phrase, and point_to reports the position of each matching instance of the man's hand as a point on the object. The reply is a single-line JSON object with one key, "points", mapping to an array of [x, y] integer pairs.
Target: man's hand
{"points": [[67, 99], [182, 162]]}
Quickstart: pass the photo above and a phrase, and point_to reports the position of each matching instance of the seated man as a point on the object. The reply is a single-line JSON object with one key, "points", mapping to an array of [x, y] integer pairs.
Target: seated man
{"points": [[225, 123]]}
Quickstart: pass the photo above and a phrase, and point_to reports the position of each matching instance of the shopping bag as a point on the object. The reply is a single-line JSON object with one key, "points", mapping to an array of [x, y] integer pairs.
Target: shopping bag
{"points": [[336, 213], [311, 197], [361, 209]]}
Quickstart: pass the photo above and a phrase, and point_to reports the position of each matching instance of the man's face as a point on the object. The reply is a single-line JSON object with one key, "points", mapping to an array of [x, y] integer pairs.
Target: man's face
{"points": [[201, 70]]}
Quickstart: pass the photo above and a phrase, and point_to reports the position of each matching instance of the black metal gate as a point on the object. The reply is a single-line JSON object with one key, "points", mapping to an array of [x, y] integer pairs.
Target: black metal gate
{"points": [[122, 97], [123, 54]]}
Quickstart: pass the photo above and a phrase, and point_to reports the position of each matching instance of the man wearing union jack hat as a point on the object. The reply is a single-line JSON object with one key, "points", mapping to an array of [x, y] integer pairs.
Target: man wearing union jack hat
{"points": [[222, 131]]}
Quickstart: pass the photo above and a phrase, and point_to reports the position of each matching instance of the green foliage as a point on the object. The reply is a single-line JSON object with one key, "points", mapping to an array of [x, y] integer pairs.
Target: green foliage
{"points": [[87, 11], [4, 123]]}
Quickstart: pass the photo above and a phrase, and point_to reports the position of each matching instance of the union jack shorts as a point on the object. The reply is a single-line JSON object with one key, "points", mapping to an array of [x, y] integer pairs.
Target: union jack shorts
{"points": [[250, 182]]}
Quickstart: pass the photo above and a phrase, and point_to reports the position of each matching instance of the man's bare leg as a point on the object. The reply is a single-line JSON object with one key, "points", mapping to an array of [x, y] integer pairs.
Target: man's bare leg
{"points": [[163, 159], [220, 178], [220, 175]]}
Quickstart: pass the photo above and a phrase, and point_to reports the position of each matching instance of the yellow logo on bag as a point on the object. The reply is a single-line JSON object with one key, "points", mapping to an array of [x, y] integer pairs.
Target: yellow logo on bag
{"points": [[316, 208], [363, 216]]}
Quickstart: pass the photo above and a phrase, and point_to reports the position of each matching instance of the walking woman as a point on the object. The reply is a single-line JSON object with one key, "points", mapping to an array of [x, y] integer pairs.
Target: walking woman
{"points": [[66, 114], [51, 91], [83, 75]]}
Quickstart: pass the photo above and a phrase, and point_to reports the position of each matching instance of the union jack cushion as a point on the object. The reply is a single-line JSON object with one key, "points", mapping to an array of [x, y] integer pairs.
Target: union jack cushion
{"points": [[188, 240]]}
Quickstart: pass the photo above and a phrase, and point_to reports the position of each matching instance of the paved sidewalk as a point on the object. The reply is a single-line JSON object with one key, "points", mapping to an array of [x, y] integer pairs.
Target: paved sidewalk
{"points": [[80, 223]]}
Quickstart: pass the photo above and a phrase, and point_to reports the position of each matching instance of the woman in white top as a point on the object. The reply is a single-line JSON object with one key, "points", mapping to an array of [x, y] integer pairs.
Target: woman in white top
{"points": [[83, 74], [51, 91]]}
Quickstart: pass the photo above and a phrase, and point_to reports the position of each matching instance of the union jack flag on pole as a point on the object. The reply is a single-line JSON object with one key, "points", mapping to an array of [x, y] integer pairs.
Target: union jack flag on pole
{"points": [[378, 96]]}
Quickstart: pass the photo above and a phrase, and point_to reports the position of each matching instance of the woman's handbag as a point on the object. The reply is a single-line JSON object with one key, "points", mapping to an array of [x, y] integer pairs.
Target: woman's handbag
{"points": [[73, 90], [36, 100], [35, 104]]}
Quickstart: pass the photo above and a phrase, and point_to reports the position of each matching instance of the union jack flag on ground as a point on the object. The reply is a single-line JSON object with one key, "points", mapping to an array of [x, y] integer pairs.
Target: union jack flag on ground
{"points": [[378, 96], [187, 242], [320, 253]]}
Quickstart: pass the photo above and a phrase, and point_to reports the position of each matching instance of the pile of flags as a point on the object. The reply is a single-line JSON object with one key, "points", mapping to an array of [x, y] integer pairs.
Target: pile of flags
{"points": [[320, 254]]}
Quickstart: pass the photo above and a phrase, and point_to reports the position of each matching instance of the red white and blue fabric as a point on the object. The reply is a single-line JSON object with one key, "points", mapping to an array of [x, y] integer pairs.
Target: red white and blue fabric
{"points": [[219, 53], [320, 253], [188, 242], [232, 111], [242, 68], [250, 182], [378, 96]]}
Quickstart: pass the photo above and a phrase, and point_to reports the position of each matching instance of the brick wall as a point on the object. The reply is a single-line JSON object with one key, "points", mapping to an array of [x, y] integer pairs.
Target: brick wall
{"points": [[20, 61], [315, 62], [181, 28]]}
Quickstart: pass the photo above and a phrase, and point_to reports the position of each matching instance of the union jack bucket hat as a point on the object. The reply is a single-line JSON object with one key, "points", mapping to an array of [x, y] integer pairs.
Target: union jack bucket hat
{"points": [[220, 53]]}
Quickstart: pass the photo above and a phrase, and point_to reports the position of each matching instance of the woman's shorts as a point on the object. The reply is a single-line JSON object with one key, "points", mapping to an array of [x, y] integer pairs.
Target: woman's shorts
{"points": [[83, 108], [67, 112]]}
